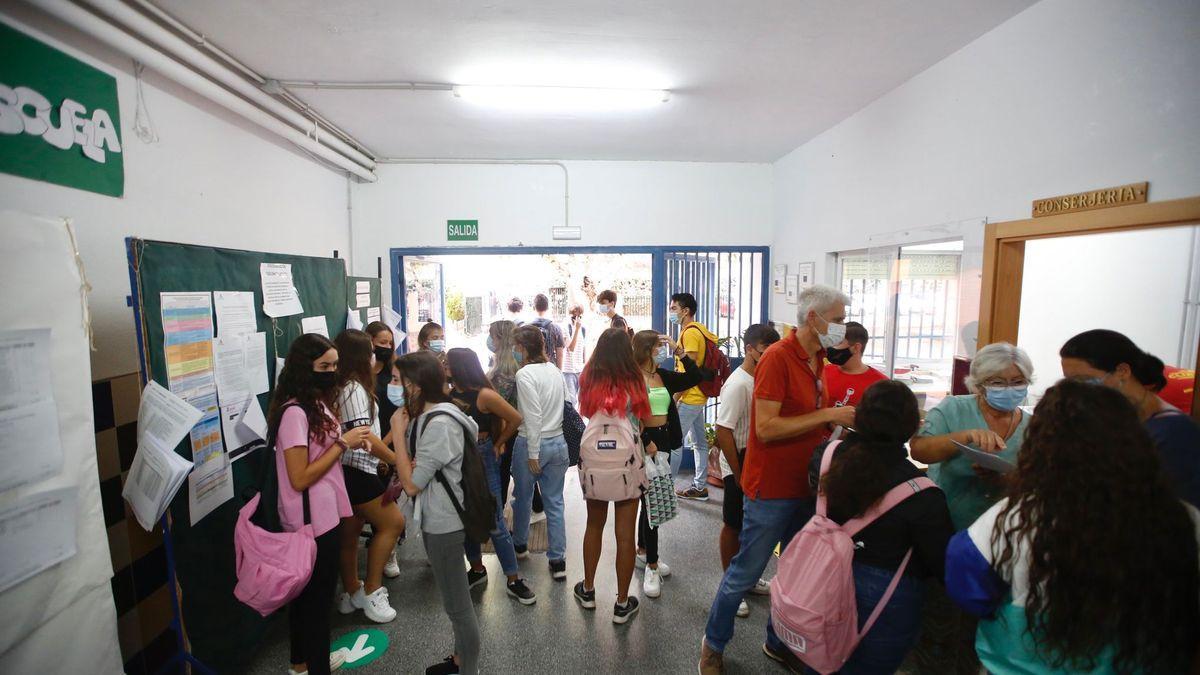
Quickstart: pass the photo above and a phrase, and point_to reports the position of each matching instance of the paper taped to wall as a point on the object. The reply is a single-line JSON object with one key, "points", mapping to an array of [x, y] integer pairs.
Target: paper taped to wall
{"points": [[235, 313], [314, 324], [38, 531], [27, 409], [279, 291]]}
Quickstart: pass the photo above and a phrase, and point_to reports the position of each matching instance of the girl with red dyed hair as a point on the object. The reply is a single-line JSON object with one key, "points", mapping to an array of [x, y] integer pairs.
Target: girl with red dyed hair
{"points": [[611, 383]]}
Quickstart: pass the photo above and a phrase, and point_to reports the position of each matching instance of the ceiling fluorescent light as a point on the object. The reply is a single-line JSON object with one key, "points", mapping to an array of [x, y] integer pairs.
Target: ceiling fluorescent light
{"points": [[549, 99]]}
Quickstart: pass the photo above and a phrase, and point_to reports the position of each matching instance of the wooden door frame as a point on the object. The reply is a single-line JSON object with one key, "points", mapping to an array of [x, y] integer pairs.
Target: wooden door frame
{"points": [[1004, 257]]}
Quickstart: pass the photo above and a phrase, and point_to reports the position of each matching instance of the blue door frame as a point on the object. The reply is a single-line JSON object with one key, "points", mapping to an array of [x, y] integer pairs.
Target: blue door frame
{"points": [[658, 274]]}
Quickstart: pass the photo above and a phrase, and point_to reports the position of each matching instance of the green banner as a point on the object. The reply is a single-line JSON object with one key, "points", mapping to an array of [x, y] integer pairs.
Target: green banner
{"points": [[462, 230], [59, 117]]}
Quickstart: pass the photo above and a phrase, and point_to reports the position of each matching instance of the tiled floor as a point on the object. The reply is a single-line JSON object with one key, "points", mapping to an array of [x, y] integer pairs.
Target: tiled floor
{"points": [[556, 635]]}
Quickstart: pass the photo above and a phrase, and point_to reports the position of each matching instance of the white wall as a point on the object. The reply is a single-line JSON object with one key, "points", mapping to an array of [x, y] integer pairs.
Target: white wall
{"points": [[1066, 96], [616, 204], [211, 179]]}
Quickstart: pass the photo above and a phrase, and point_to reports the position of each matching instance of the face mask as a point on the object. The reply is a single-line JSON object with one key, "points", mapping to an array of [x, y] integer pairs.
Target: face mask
{"points": [[437, 346], [491, 346], [835, 333], [518, 357], [324, 380], [673, 319], [396, 394], [1095, 379], [603, 309], [382, 354], [838, 357], [664, 353], [1006, 398]]}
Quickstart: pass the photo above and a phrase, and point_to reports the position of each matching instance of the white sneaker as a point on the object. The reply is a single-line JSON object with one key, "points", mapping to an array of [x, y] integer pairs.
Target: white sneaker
{"points": [[338, 658], [375, 605], [652, 584], [664, 570], [761, 587], [537, 517], [743, 610], [391, 569], [345, 604]]}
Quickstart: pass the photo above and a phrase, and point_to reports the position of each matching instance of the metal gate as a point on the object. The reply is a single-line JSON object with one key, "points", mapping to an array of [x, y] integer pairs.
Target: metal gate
{"points": [[729, 288]]}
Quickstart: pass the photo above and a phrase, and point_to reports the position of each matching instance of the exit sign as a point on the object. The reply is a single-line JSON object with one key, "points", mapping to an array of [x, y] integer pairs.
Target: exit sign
{"points": [[462, 230]]}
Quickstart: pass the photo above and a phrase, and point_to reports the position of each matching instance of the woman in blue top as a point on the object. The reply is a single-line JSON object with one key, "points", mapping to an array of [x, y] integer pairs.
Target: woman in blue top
{"points": [[1109, 358], [1090, 563]]}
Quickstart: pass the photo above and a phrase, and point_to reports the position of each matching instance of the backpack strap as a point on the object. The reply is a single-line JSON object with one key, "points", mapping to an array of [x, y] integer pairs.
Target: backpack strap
{"points": [[441, 478], [826, 462], [893, 497], [272, 435]]}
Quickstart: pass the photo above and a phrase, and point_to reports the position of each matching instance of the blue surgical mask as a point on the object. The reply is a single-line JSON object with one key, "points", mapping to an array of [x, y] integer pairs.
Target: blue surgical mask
{"points": [[491, 345], [603, 309], [518, 356], [1006, 398], [673, 319], [396, 394], [438, 346], [664, 353]]}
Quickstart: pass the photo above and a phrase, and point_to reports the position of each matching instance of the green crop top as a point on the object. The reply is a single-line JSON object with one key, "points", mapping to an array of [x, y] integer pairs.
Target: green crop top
{"points": [[660, 400]]}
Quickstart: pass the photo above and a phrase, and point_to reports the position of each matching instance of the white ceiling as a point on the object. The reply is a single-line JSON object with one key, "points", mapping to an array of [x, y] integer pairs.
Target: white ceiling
{"points": [[750, 80]]}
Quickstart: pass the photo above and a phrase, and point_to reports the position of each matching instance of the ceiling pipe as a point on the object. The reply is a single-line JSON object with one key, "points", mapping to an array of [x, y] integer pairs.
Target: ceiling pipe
{"points": [[201, 41], [118, 39], [130, 19], [368, 86], [510, 162]]}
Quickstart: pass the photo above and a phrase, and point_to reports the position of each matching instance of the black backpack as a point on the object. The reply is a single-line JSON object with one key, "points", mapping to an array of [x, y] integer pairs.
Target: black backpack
{"points": [[548, 340], [478, 510]]}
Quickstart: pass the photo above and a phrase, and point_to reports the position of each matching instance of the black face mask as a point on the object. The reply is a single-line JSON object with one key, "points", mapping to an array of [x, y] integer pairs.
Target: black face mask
{"points": [[383, 354], [325, 380], [838, 357]]}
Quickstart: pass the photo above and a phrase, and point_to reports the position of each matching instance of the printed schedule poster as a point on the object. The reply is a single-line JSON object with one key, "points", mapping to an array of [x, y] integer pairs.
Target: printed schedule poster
{"points": [[187, 341]]}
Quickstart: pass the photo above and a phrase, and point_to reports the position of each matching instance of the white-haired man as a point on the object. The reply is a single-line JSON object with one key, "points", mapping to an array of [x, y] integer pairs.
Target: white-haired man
{"points": [[787, 421]]}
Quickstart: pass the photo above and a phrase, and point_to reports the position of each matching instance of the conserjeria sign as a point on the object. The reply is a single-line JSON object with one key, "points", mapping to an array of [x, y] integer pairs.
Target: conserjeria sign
{"points": [[59, 117]]}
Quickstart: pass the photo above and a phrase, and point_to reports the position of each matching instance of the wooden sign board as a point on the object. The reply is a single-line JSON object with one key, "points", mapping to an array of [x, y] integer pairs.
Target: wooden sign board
{"points": [[1134, 193]]}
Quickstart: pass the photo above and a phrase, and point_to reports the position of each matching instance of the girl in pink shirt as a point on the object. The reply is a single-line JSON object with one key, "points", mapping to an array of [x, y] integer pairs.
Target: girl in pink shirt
{"points": [[308, 450]]}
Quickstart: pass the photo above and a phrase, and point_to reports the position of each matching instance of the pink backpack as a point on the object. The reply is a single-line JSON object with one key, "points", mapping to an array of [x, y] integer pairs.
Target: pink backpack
{"points": [[611, 464], [813, 605]]}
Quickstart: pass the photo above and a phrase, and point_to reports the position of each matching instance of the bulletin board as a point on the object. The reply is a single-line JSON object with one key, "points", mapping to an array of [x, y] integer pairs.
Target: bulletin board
{"points": [[376, 297], [222, 632]]}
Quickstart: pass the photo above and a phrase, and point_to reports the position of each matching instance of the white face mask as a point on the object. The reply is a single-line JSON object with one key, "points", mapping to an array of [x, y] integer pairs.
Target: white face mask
{"points": [[603, 309], [833, 335]]}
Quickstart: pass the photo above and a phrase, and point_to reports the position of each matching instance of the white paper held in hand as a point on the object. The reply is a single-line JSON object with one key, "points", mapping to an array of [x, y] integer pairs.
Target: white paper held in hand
{"points": [[985, 459]]}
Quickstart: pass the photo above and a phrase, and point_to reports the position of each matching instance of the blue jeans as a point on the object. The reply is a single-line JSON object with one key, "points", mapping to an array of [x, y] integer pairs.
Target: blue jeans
{"points": [[765, 523], [691, 419], [553, 460], [884, 647], [501, 537]]}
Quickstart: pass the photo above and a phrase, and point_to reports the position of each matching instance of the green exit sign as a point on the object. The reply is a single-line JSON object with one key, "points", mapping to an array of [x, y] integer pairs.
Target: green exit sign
{"points": [[462, 230]]}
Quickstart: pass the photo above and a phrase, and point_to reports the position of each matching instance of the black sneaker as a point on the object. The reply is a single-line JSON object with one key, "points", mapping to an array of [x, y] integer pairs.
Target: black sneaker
{"points": [[522, 551], [474, 578], [622, 613], [558, 570], [521, 592], [786, 658], [446, 667], [586, 598]]}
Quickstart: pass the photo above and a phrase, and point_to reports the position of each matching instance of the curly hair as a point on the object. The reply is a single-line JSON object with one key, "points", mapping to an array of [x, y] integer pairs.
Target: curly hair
{"points": [[296, 383], [885, 418], [1111, 551]]}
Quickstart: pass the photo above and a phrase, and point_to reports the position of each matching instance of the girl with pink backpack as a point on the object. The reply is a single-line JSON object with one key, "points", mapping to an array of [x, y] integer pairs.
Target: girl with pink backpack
{"points": [[879, 514]]}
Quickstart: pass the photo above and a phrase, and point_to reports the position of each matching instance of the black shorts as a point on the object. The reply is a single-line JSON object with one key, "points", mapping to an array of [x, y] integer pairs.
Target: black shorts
{"points": [[731, 509], [362, 487]]}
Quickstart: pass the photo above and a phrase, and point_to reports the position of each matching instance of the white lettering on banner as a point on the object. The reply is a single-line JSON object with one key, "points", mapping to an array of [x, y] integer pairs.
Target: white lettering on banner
{"points": [[23, 110]]}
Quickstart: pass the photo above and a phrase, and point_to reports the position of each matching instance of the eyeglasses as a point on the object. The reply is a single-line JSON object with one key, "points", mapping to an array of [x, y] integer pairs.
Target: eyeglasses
{"points": [[1019, 382]]}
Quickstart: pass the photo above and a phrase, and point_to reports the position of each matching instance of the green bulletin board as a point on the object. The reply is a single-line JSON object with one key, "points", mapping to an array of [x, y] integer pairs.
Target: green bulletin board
{"points": [[223, 632], [352, 297], [39, 87]]}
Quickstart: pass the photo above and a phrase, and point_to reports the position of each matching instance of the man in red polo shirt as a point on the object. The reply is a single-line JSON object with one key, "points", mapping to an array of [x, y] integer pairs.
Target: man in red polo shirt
{"points": [[787, 421], [848, 377]]}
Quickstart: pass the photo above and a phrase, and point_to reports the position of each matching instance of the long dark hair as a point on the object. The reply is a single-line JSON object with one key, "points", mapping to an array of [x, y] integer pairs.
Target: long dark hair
{"points": [[1106, 349], [529, 338], [1111, 552], [296, 382], [354, 362], [884, 419], [466, 371], [374, 329], [423, 371], [611, 378]]}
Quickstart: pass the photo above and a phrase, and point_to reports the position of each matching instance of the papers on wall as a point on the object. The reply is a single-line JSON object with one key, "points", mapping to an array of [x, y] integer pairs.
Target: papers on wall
{"points": [[253, 420], [27, 410], [372, 314], [244, 426], [361, 287], [392, 319], [38, 532], [235, 313], [279, 291], [986, 459], [241, 366], [278, 368], [362, 300], [187, 342], [209, 490], [164, 416], [154, 477], [314, 324], [352, 320]]}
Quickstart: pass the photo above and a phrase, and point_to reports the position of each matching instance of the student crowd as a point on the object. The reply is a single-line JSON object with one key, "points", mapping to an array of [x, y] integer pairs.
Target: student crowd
{"points": [[1083, 558]]}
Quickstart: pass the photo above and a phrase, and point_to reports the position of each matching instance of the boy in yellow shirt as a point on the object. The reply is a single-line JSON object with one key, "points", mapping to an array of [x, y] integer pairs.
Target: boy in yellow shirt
{"points": [[692, 402]]}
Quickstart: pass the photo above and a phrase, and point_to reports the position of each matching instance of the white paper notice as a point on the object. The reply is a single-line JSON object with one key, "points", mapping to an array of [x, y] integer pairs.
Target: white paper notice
{"points": [[231, 412], [38, 532], [164, 416], [352, 320], [392, 319], [314, 324], [278, 369], [256, 363], [154, 477], [209, 491], [253, 420], [235, 313], [27, 410], [372, 314], [230, 367], [279, 291], [362, 300], [361, 287]]}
